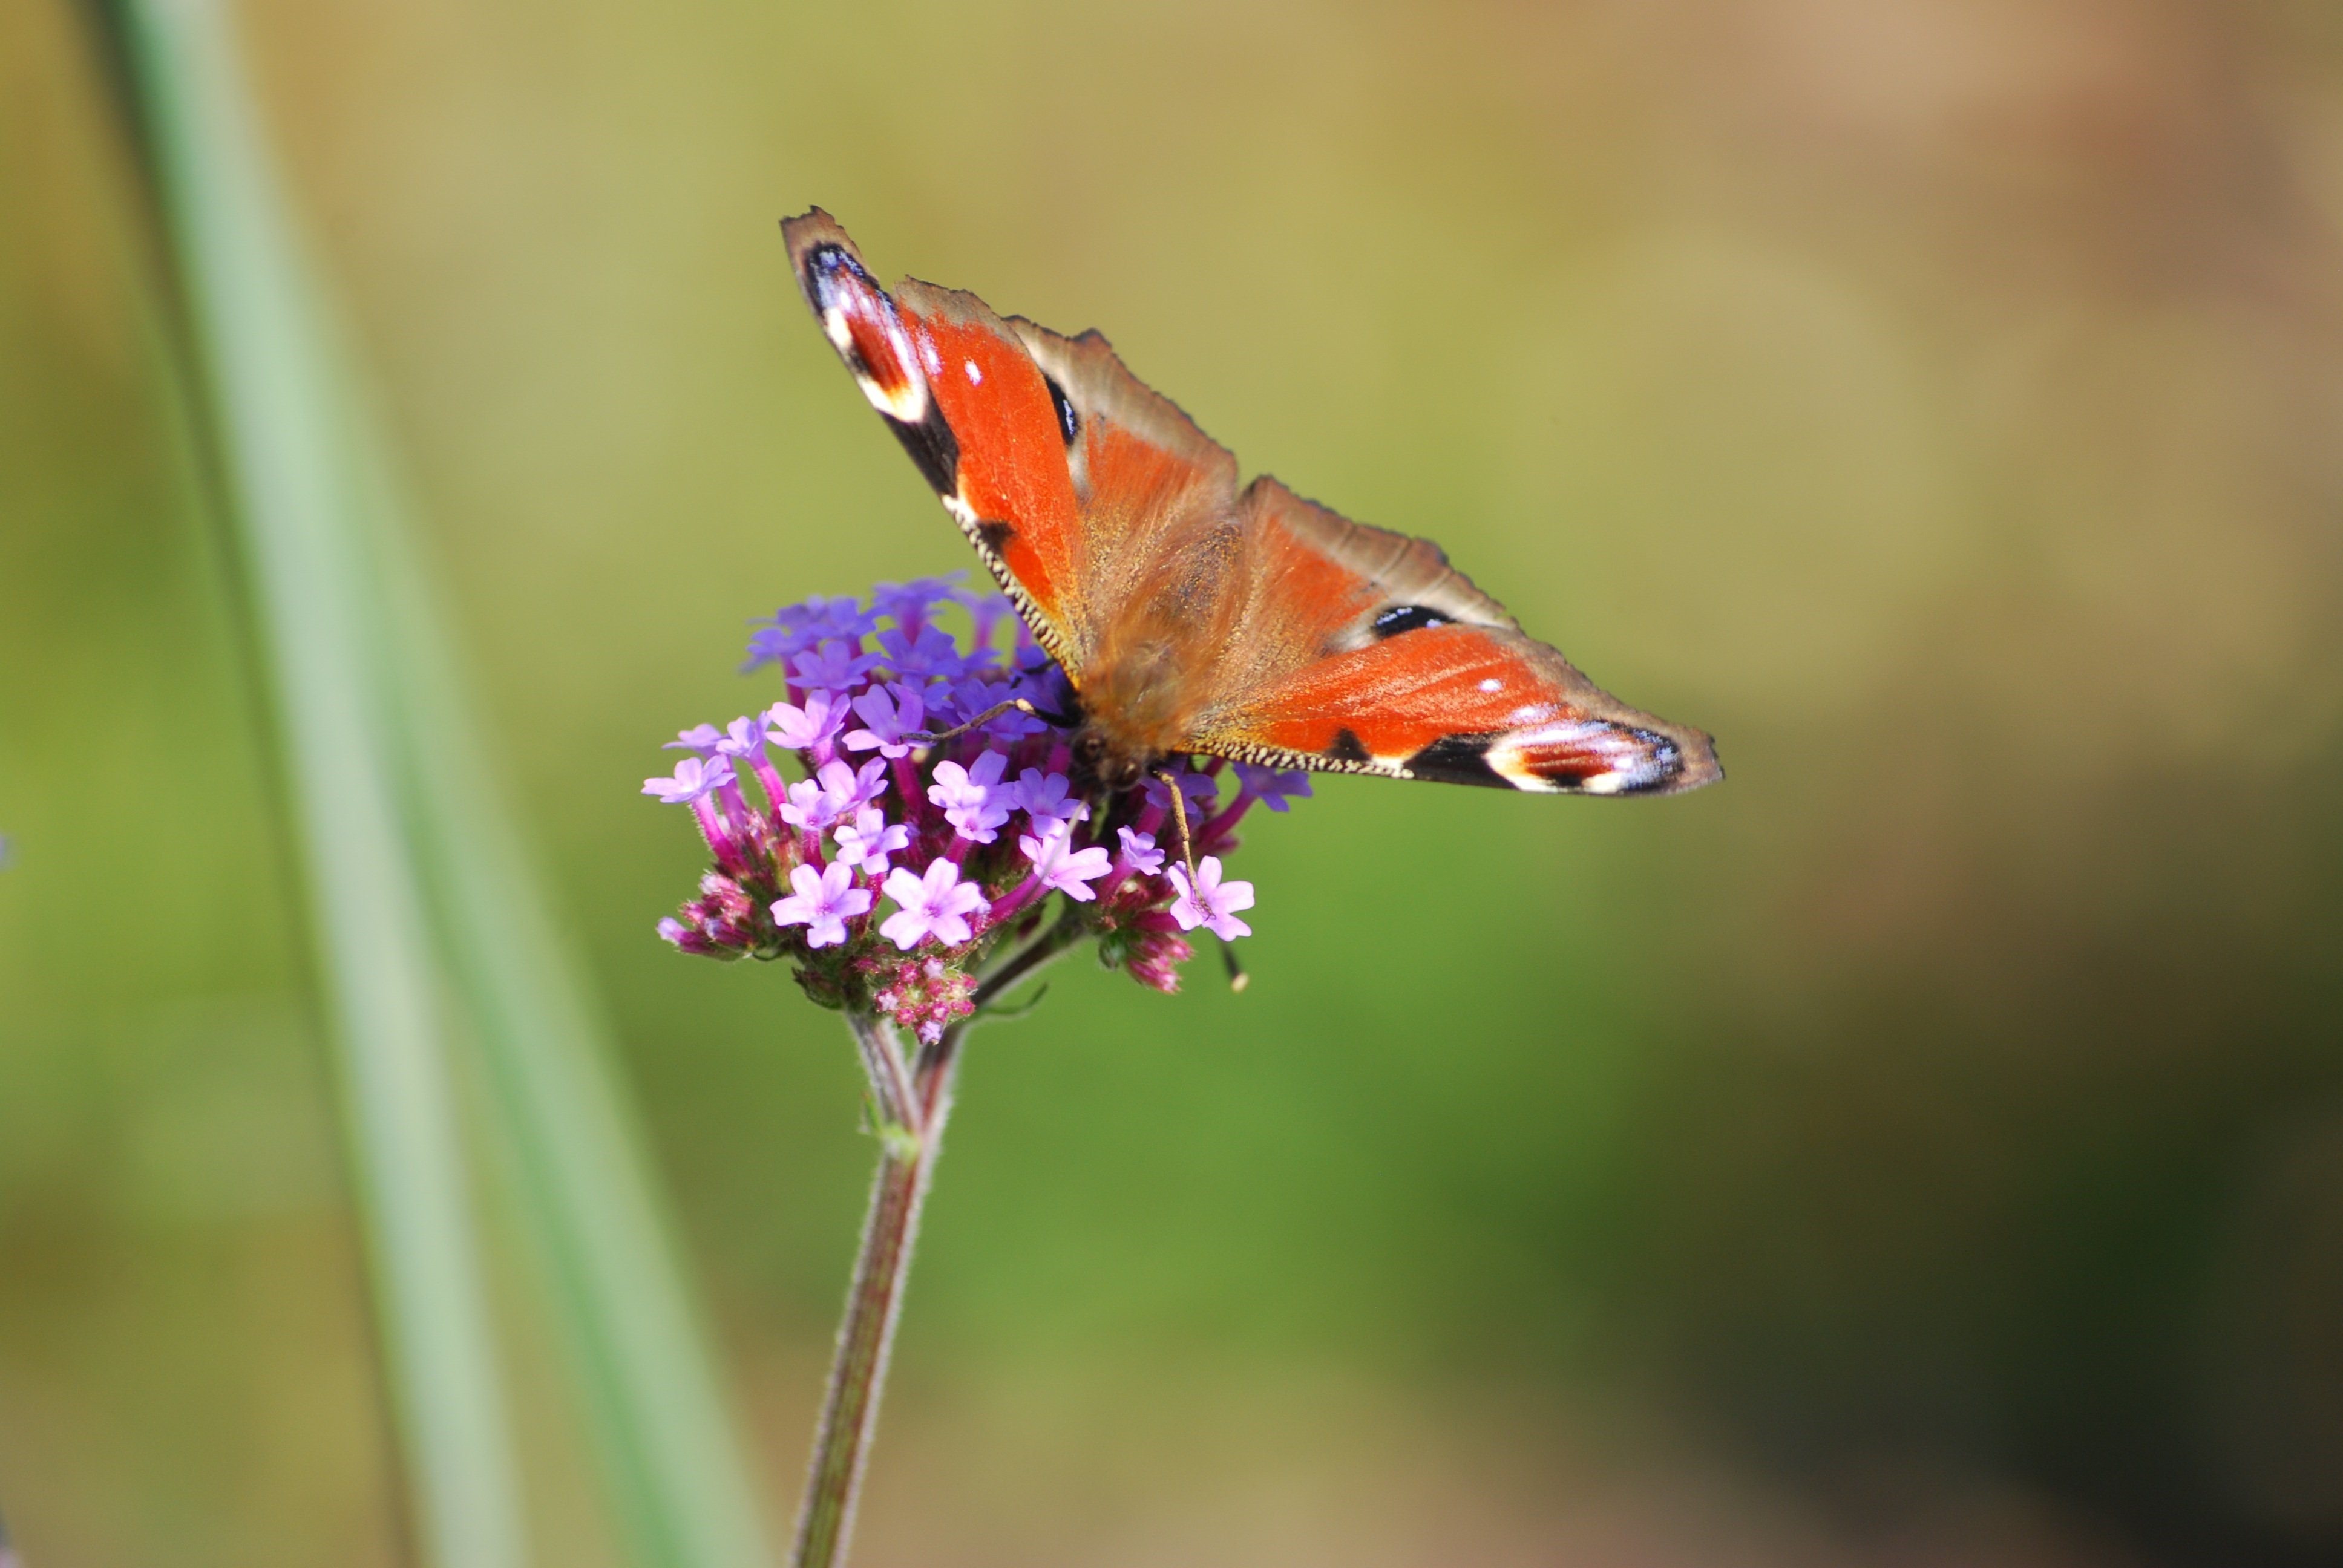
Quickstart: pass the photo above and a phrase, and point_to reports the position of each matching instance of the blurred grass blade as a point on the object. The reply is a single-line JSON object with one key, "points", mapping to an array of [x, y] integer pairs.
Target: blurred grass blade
{"points": [[421, 895], [266, 375], [677, 1478]]}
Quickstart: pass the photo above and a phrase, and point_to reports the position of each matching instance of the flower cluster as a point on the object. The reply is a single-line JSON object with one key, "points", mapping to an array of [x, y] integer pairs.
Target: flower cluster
{"points": [[935, 813]]}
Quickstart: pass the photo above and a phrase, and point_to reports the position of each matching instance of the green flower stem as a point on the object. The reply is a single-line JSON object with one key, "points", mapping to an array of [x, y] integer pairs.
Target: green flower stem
{"points": [[909, 1106], [909, 1134]]}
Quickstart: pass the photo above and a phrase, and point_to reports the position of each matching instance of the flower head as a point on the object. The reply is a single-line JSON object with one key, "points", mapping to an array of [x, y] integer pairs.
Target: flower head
{"points": [[1210, 902], [888, 783], [936, 905], [822, 902]]}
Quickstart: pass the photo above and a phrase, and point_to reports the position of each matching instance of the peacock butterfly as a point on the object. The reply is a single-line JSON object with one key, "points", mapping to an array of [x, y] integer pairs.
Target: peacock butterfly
{"points": [[1194, 614]]}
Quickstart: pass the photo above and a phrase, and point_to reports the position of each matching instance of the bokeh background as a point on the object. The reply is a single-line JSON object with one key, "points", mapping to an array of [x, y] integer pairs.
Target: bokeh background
{"points": [[1925, 1147]]}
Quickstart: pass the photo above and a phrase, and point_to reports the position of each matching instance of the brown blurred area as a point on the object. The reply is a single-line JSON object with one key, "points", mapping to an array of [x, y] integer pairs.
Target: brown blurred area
{"points": [[1925, 1149]]}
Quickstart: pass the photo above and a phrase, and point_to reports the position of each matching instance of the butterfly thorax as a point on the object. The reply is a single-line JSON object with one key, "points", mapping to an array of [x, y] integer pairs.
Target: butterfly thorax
{"points": [[1132, 705]]}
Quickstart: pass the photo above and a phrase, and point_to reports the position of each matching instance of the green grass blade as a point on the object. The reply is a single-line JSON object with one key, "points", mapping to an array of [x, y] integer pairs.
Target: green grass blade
{"points": [[269, 379], [678, 1480]]}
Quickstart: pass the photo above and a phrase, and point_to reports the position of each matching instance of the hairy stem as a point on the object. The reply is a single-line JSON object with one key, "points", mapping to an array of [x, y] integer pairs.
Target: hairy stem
{"points": [[909, 1104], [910, 1122]]}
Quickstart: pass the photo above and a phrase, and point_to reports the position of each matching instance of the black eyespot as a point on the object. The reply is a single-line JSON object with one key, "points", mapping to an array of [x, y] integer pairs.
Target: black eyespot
{"points": [[1349, 747], [994, 535], [1067, 420], [1401, 617]]}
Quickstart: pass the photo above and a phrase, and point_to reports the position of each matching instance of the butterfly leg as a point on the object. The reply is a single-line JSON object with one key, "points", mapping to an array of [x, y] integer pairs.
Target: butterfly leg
{"points": [[1180, 811], [925, 738]]}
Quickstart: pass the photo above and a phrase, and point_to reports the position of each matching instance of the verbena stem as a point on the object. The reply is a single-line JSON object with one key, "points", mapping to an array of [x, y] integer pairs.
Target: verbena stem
{"points": [[909, 1104], [910, 1133]]}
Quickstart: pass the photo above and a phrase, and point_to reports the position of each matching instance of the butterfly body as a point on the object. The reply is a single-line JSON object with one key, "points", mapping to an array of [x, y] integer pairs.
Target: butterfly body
{"points": [[1191, 614]]}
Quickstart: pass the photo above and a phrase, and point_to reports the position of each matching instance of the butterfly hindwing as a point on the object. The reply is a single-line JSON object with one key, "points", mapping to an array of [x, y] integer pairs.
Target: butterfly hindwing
{"points": [[1365, 651]]}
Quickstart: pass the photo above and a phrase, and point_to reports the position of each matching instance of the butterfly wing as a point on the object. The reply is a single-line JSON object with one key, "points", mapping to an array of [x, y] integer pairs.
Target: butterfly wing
{"points": [[1064, 470], [1362, 650]]}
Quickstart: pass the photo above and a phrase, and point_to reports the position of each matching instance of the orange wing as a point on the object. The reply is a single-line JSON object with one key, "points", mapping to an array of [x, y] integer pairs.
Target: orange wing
{"points": [[1067, 474], [1362, 650]]}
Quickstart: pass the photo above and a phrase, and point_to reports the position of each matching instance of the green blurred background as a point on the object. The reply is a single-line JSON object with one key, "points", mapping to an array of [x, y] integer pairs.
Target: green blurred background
{"points": [[1925, 1148]]}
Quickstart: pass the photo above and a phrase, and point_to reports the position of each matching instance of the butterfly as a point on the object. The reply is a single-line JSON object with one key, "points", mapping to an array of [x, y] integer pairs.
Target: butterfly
{"points": [[1193, 614]]}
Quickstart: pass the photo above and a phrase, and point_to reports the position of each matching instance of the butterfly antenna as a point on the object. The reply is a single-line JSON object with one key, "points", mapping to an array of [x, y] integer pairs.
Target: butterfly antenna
{"points": [[1238, 978], [926, 737]]}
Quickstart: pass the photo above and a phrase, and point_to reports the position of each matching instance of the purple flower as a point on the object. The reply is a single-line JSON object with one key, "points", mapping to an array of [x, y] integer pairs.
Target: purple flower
{"points": [[1200, 788], [810, 806], [922, 656], [936, 905], [744, 739], [907, 604], [855, 790], [1273, 787], [700, 738], [694, 778], [834, 664], [798, 626], [1139, 853], [1212, 902], [772, 645], [795, 729], [889, 718], [836, 792], [971, 798], [840, 616], [867, 841], [822, 902], [972, 696], [1044, 798], [1059, 865]]}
